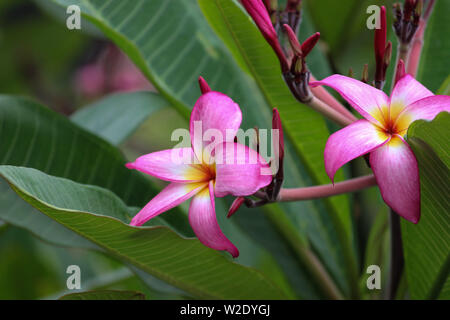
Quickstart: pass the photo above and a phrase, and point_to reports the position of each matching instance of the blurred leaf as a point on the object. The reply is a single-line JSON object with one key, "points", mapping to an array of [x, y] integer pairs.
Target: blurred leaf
{"points": [[306, 127], [98, 215], [34, 136], [117, 116], [377, 253], [436, 48], [444, 89], [26, 274], [105, 295], [427, 244]]}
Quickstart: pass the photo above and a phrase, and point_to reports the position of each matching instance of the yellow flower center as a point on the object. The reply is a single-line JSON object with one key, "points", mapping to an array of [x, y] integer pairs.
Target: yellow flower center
{"points": [[392, 120]]}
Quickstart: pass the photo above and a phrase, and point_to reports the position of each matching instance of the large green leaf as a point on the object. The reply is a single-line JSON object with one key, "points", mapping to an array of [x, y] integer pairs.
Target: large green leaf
{"points": [[104, 295], [436, 48], [117, 116], [427, 244], [306, 128], [98, 215], [34, 136]]}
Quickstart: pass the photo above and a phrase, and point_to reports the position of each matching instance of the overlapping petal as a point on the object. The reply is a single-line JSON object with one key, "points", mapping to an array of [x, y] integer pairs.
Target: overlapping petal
{"points": [[168, 198], [217, 113], [408, 90], [426, 108], [397, 174], [176, 165], [240, 171], [202, 217], [367, 100], [351, 142]]}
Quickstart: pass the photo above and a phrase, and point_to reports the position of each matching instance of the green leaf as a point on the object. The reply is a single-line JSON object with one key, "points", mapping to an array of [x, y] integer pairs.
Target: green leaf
{"points": [[34, 136], [117, 116], [104, 295], [306, 128], [444, 89], [436, 48], [98, 215], [427, 244]]}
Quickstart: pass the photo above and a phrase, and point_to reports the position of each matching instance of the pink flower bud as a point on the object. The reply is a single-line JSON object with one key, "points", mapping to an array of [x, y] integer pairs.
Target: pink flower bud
{"points": [[237, 203], [204, 87]]}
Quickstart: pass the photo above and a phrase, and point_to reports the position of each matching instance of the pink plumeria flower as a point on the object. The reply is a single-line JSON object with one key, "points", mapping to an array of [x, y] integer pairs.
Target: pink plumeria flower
{"points": [[381, 134], [214, 174]]}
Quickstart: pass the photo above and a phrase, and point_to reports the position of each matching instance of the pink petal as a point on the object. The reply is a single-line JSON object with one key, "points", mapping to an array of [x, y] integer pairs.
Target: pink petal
{"points": [[214, 110], [367, 100], [426, 108], [202, 217], [407, 90], [355, 140], [168, 198], [397, 174], [175, 165], [240, 171]]}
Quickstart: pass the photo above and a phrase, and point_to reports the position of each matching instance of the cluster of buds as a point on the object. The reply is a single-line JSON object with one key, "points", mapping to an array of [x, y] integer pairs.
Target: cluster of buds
{"points": [[269, 20], [297, 78], [270, 193], [383, 51], [407, 20]]}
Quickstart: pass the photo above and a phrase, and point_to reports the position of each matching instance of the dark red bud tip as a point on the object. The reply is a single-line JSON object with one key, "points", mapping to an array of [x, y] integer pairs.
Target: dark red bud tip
{"points": [[237, 203], [400, 73], [204, 87], [276, 124], [293, 41], [380, 37], [309, 43], [129, 165], [292, 5]]}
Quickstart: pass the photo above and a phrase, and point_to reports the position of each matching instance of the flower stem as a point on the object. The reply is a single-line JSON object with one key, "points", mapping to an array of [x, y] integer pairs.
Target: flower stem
{"points": [[417, 42], [329, 112], [322, 191], [397, 260]]}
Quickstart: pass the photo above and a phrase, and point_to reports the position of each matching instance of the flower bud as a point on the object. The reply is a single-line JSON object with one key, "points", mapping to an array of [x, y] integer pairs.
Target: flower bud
{"points": [[309, 43], [257, 10], [237, 203], [204, 87]]}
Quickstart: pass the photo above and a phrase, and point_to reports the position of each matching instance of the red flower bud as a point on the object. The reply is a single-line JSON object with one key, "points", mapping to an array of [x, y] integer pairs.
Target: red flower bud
{"points": [[276, 124], [380, 37], [293, 41], [237, 203], [257, 10], [309, 43], [204, 87]]}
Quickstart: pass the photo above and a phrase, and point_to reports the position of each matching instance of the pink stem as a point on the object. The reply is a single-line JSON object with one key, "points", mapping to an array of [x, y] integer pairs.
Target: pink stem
{"points": [[327, 190], [322, 94], [417, 43]]}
